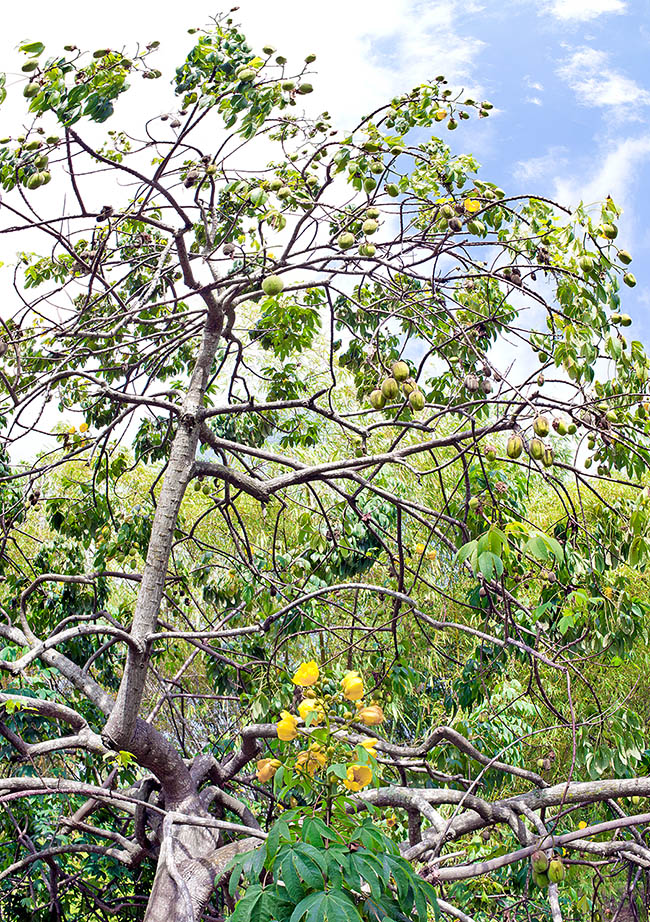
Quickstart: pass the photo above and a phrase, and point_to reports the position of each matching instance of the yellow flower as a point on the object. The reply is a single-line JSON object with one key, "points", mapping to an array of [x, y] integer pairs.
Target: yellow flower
{"points": [[391, 820], [432, 555], [369, 746], [472, 205], [311, 760], [72, 430], [83, 427], [287, 727], [306, 674], [608, 592], [440, 114], [358, 776], [266, 769], [582, 825], [310, 706], [371, 716], [352, 686], [420, 548]]}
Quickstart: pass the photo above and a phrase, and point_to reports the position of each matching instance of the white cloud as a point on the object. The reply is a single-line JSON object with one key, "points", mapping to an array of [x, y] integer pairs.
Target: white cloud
{"points": [[595, 83], [584, 10], [615, 175], [539, 167], [534, 100]]}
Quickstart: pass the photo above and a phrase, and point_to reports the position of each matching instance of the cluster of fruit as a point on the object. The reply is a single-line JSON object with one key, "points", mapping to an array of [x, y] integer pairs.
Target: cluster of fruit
{"points": [[547, 871], [537, 450], [347, 239], [389, 389]]}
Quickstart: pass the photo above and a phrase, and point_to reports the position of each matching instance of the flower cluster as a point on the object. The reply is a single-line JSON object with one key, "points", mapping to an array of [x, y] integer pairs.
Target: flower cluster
{"points": [[319, 719]]}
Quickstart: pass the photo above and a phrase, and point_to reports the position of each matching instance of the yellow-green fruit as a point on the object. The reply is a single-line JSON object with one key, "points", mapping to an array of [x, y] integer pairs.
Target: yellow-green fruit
{"points": [[561, 427], [515, 446], [473, 504], [400, 371], [609, 230], [636, 799], [541, 426], [305, 88], [547, 457], [537, 449], [34, 181], [377, 399], [417, 401], [541, 880], [629, 279], [272, 285], [45, 177], [346, 241], [539, 861], [367, 249], [586, 263], [556, 871], [369, 227], [376, 166], [373, 213], [491, 453], [392, 189], [369, 184], [31, 90], [409, 386], [447, 211], [283, 192], [626, 320], [275, 184], [624, 257], [572, 429], [390, 388], [246, 75], [29, 66], [101, 52], [40, 161]]}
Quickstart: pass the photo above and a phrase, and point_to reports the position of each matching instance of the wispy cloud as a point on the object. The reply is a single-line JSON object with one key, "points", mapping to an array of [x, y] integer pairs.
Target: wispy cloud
{"points": [[546, 165], [596, 83], [615, 175], [583, 10]]}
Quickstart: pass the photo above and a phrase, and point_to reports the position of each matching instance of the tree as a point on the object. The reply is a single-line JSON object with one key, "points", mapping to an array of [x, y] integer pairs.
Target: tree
{"points": [[386, 381]]}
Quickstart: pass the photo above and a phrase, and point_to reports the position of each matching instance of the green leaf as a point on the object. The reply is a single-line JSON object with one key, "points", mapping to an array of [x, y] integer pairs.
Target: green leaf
{"points": [[333, 906], [32, 48]]}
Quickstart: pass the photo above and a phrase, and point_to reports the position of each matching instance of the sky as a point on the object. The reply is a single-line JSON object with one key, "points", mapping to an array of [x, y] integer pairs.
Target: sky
{"points": [[569, 80]]}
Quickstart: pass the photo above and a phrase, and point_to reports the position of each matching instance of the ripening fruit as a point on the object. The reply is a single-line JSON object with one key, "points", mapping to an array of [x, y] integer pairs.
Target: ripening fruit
{"points": [[276, 184], [417, 401], [537, 449], [472, 383], [246, 75], [586, 263], [610, 231], [377, 399], [626, 320], [547, 457], [490, 453], [572, 429], [305, 88], [515, 446], [541, 880], [539, 861], [369, 184], [272, 285], [400, 371], [373, 213], [541, 426], [629, 279], [367, 249], [392, 189], [346, 241], [409, 386], [369, 226], [561, 428], [31, 90], [33, 181], [455, 225], [556, 871], [390, 388], [376, 166], [474, 503], [624, 257]]}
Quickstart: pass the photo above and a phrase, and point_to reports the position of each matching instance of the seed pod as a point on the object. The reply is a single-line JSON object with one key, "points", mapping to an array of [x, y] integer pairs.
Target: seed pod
{"points": [[490, 453], [472, 383], [400, 371], [539, 861], [556, 871], [537, 449], [390, 388], [541, 427], [515, 446], [417, 401], [377, 399]]}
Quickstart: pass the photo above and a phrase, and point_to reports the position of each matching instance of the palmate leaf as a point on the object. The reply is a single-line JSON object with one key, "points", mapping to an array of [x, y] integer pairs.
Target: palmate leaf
{"points": [[300, 867], [326, 906], [262, 904]]}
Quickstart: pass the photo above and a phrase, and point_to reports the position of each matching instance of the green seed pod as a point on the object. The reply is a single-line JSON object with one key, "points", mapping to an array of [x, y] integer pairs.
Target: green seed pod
{"points": [[272, 285], [346, 240], [556, 871], [537, 449], [400, 371], [515, 446], [390, 388], [624, 257], [539, 861], [417, 401], [377, 399], [629, 279], [541, 426], [369, 227]]}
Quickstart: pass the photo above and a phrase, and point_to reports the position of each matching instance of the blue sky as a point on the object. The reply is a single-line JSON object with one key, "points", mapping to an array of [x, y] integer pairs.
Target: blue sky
{"points": [[569, 79]]}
